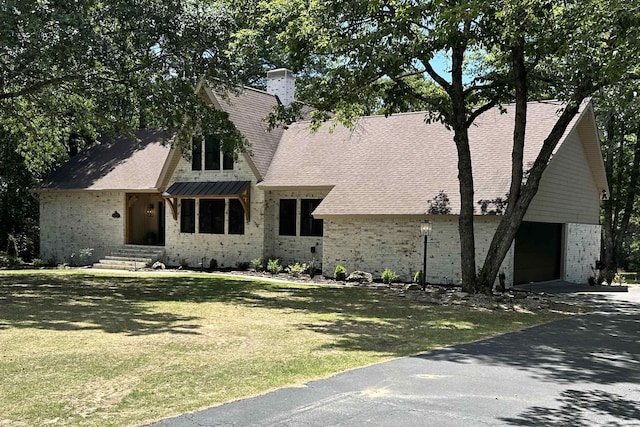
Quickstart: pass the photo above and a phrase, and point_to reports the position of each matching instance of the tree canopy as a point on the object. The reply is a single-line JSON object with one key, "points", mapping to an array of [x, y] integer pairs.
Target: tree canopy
{"points": [[379, 54], [72, 71]]}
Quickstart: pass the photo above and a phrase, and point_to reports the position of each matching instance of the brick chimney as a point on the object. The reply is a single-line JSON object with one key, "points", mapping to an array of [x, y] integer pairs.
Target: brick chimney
{"points": [[282, 83]]}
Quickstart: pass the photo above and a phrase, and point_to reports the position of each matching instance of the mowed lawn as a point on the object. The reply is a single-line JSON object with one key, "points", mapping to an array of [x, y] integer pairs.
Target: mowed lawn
{"points": [[88, 348]]}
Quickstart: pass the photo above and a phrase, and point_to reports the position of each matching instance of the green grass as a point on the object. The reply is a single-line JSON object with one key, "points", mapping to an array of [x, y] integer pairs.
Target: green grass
{"points": [[86, 348]]}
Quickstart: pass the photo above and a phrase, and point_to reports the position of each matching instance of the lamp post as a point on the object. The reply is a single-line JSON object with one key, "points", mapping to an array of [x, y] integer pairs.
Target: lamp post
{"points": [[425, 229]]}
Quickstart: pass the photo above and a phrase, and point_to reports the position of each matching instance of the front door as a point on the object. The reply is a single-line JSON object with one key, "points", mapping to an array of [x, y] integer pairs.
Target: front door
{"points": [[145, 219]]}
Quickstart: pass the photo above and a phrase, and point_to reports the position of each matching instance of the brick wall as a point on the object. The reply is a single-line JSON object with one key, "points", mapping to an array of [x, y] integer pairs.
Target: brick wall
{"points": [[290, 249], [70, 221], [227, 249], [375, 243], [582, 249]]}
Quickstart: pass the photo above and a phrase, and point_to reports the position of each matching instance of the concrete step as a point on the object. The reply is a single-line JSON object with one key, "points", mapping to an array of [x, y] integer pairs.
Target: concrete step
{"points": [[131, 257]]}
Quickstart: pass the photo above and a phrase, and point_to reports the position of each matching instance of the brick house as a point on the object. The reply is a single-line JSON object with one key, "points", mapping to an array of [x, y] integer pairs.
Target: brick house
{"points": [[344, 196]]}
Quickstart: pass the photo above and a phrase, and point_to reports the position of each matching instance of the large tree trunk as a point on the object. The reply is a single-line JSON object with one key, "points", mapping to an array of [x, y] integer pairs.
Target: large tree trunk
{"points": [[511, 220], [465, 173], [497, 252]]}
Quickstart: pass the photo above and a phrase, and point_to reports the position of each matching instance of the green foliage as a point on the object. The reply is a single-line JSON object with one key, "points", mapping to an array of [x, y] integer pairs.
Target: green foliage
{"points": [[296, 269], [52, 262], [312, 268], [213, 264], [81, 258], [369, 56], [273, 266], [418, 277], [243, 265], [340, 273], [37, 262], [439, 205], [257, 264], [388, 275], [7, 260], [71, 72]]}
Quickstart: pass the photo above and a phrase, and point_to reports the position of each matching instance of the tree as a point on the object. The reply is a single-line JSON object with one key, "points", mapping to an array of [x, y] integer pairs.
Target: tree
{"points": [[72, 71], [618, 111], [499, 51]]}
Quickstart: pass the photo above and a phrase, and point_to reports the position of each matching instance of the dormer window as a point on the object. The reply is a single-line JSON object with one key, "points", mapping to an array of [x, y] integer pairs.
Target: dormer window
{"points": [[213, 155]]}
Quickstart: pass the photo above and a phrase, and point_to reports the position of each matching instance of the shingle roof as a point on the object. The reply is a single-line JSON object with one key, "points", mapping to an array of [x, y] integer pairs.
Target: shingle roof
{"points": [[247, 111], [396, 165], [115, 164]]}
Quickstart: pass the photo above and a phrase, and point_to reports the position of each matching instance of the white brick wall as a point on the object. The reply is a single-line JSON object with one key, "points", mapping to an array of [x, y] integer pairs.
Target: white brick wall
{"points": [[582, 249], [375, 243], [227, 249], [290, 249], [70, 221]]}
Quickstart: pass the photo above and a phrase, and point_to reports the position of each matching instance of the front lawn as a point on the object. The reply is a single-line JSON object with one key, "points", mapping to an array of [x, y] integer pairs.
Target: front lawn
{"points": [[88, 348]]}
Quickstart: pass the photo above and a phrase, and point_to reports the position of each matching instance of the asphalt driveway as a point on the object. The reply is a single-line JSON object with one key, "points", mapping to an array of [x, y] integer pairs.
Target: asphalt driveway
{"points": [[582, 371]]}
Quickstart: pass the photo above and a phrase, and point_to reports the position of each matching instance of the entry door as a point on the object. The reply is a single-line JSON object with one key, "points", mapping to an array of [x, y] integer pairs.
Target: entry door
{"points": [[538, 252]]}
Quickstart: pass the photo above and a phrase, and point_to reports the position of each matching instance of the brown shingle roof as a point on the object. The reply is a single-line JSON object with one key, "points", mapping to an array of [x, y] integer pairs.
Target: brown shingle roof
{"points": [[115, 164], [396, 165], [247, 111]]}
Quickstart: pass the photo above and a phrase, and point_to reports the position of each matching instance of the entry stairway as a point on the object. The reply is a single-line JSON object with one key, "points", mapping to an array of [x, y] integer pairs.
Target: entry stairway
{"points": [[131, 257]]}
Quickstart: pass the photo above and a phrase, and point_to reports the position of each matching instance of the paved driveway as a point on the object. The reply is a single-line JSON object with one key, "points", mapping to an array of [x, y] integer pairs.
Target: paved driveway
{"points": [[582, 371]]}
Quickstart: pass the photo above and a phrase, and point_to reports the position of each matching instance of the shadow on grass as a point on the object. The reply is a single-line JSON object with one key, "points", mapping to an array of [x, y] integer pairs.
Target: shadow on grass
{"points": [[361, 319]]}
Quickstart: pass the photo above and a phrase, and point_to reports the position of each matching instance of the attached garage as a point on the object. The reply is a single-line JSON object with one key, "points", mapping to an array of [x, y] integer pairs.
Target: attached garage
{"points": [[538, 252]]}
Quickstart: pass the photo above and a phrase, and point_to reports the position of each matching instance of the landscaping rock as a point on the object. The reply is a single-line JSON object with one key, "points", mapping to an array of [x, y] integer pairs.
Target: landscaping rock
{"points": [[412, 287], [360, 277], [158, 266]]}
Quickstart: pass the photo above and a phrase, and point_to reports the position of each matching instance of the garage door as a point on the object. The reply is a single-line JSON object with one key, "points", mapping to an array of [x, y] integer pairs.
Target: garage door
{"points": [[537, 255]]}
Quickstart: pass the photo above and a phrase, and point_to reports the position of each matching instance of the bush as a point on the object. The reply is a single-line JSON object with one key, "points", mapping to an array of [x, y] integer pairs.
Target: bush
{"points": [[52, 262], [340, 272], [37, 262], [213, 264], [296, 269], [7, 260], [417, 278], [311, 269], [243, 265], [273, 266], [83, 257], [388, 276], [257, 264]]}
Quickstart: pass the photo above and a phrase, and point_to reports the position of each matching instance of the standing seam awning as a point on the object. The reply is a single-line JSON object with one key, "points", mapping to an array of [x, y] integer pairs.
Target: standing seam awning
{"points": [[209, 189]]}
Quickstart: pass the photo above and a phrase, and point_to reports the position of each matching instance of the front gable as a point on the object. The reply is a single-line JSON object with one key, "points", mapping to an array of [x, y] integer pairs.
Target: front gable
{"points": [[574, 182]]}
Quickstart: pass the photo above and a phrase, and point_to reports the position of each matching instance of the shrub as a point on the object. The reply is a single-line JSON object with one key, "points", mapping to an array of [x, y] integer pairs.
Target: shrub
{"points": [[273, 266], [7, 260], [37, 262], [52, 262], [388, 276], [243, 265], [257, 264], [296, 269], [340, 272], [213, 264], [417, 278], [311, 268], [83, 257]]}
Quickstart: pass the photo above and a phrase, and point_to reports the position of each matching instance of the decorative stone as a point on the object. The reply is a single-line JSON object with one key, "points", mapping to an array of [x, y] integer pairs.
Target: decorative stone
{"points": [[360, 277], [413, 287], [158, 266]]}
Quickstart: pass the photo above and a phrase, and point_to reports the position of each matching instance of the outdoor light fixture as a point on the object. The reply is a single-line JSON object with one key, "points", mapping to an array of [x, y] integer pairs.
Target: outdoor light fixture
{"points": [[425, 229], [150, 209]]}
